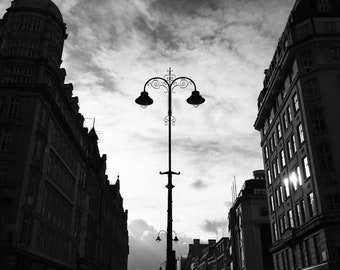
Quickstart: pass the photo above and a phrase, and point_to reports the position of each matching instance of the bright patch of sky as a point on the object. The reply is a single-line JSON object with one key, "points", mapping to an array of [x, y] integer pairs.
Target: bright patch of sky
{"points": [[115, 46]]}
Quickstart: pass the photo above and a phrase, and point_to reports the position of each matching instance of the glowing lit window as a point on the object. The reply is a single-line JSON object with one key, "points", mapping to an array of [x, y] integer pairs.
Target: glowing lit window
{"points": [[306, 168], [286, 185]]}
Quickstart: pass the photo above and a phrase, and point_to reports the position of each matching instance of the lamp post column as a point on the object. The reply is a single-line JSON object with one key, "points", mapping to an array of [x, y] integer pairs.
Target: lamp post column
{"points": [[144, 100], [169, 252]]}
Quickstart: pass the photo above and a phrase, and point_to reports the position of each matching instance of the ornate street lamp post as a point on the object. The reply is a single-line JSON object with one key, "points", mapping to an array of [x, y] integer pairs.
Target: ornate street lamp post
{"points": [[170, 82]]}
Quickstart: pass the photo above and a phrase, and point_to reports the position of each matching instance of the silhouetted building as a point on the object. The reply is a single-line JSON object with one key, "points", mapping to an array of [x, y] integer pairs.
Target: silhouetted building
{"points": [[207, 260], [181, 261], [46, 155], [249, 226], [104, 234], [194, 253], [222, 254], [298, 115], [211, 256]]}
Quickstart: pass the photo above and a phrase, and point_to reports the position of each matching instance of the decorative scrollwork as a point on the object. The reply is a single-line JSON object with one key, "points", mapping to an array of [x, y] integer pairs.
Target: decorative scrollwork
{"points": [[170, 77], [166, 120], [156, 84], [181, 82]]}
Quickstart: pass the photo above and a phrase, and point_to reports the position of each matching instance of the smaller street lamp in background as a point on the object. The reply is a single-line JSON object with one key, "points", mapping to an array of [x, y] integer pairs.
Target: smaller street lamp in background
{"points": [[169, 83], [162, 264]]}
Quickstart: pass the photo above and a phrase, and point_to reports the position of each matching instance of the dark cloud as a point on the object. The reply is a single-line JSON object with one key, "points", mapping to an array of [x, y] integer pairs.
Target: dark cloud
{"points": [[158, 33], [199, 184], [214, 225], [185, 7]]}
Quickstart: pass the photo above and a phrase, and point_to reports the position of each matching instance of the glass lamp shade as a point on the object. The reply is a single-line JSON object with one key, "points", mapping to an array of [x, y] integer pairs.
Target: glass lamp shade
{"points": [[176, 239], [195, 99], [144, 99]]}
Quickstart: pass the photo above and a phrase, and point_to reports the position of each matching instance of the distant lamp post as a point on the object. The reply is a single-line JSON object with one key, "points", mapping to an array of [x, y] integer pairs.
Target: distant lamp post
{"points": [[158, 239], [169, 83], [162, 264]]}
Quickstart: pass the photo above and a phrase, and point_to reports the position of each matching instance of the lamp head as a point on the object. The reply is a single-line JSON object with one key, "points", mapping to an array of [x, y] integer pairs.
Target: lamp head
{"points": [[144, 99], [195, 99], [176, 239], [158, 239]]}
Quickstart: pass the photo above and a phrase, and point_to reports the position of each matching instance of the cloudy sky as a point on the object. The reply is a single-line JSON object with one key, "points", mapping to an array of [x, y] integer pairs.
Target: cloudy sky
{"points": [[115, 46]]}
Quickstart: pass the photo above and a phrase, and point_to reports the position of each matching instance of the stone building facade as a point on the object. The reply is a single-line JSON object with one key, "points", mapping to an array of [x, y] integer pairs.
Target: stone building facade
{"points": [[45, 151], [298, 112], [249, 226]]}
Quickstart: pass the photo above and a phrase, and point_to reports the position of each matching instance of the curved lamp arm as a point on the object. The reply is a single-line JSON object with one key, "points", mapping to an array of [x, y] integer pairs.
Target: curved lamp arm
{"points": [[158, 239]]}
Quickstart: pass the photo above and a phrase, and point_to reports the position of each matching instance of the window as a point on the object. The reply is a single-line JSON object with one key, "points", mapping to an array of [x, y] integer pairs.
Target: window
{"points": [[285, 121], [281, 194], [275, 232], [279, 131], [282, 159], [299, 177], [303, 254], [293, 143], [318, 120], [336, 53], [287, 83], [333, 201], [13, 108], [330, 27], [2, 103], [296, 105], [43, 118], [277, 166], [271, 146], [286, 185], [289, 114], [277, 262], [269, 178], [325, 157], [306, 169], [290, 218], [303, 211], [272, 206], [317, 247], [274, 170], [31, 189], [265, 151], [25, 228], [312, 88], [308, 253], [307, 59], [38, 150], [6, 140], [27, 23], [287, 258], [282, 224], [274, 139], [323, 6], [311, 204], [278, 199], [304, 31], [3, 174], [301, 136], [298, 214], [17, 74], [289, 148], [22, 48]]}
